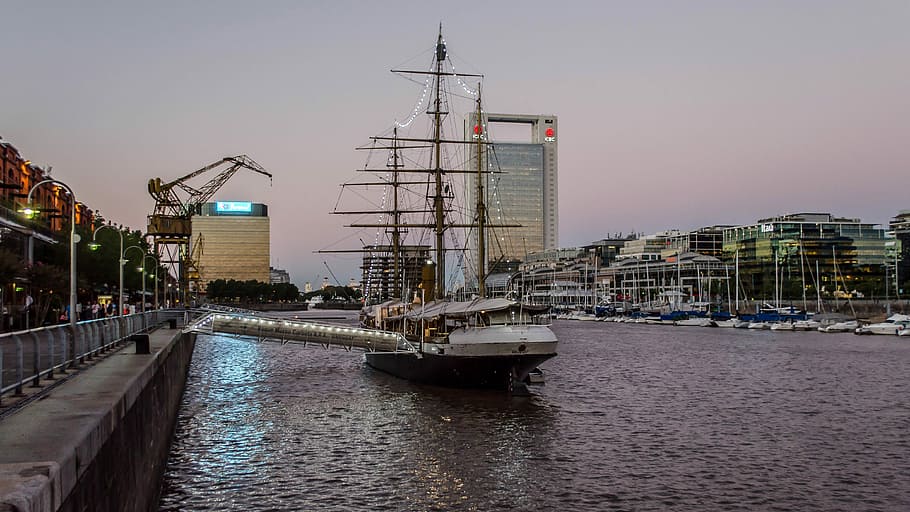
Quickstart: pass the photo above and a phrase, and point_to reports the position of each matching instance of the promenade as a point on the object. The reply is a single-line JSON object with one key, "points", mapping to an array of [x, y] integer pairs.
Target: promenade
{"points": [[96, 439]]}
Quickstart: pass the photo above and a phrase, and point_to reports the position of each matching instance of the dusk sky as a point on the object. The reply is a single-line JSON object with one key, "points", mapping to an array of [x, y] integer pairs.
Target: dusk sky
{"points": [[672, 115]]}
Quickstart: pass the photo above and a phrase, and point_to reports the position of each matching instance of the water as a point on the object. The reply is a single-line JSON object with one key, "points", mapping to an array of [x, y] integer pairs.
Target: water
{"points": [[632, 417]]}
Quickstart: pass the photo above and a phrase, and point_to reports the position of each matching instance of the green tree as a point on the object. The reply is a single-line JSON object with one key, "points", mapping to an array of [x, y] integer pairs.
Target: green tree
{"points": [[11, 267], [48, 283]]}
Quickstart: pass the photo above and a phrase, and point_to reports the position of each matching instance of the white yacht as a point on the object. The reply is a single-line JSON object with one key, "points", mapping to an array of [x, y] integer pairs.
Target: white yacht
{"points": [[891, 326]]}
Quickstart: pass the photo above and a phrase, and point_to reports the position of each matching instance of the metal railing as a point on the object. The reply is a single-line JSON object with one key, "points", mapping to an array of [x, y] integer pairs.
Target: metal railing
{"points": [[28, 356]]}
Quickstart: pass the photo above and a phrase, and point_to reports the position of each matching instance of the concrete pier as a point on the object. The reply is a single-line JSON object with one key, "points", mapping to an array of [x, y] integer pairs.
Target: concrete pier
{"points": [[99, 441]]}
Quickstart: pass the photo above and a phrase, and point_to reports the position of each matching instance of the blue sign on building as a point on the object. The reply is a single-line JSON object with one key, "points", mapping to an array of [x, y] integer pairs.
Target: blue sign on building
{"points": [[233, 207]]}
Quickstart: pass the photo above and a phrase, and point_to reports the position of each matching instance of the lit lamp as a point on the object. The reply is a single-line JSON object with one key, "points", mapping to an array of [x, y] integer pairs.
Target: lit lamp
{"points": [[155, 279], [95, 245], [74, 239], [142, 269]]}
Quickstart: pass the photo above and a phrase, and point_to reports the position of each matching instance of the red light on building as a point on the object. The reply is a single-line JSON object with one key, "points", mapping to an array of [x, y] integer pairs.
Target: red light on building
{"points": [[549, 132], [477, 129]]}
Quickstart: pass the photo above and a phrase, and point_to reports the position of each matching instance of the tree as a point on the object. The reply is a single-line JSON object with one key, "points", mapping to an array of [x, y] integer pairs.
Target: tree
{"points": [[48, 282], [11, 267]]}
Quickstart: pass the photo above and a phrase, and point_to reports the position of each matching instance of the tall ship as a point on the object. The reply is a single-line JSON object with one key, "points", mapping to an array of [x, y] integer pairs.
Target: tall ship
{"points": [[433, 205]]}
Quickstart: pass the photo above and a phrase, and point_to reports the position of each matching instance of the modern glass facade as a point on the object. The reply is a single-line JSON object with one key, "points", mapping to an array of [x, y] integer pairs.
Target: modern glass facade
{"points": [[520, 189], [837, 255], [515, 196], [899, 251]]}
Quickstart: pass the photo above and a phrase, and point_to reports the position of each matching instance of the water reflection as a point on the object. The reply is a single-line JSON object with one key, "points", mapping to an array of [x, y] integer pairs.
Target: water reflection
{"points": [[286, 425], [630, 419]]}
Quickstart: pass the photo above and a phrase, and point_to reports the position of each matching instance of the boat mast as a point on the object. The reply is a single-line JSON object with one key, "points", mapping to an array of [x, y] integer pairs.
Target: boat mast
{"points": [[736, 258], [396, 216], [438, 205], [481, 206], [802, 274]]}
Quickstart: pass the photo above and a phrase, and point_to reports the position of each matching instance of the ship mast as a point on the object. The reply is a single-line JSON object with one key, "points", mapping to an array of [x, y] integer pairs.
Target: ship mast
{"points": [[398, 282], [438, 203], [481, 206]]}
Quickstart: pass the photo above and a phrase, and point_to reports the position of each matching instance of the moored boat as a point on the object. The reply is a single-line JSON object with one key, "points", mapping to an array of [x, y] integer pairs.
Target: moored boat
{"points": [[806, 325], [848, 326], [891, 326], [477, 343]]}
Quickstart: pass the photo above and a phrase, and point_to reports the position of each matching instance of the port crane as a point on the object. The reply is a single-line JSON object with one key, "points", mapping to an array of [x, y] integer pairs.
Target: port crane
{"points": [[176, 202]]}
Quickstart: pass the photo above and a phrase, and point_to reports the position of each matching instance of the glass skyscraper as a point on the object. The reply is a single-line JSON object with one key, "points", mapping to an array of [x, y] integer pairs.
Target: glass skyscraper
{"points": [[520, 186]]}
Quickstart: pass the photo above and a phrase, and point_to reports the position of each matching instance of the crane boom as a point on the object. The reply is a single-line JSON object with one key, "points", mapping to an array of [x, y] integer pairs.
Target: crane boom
{"points": [[170, 222], [167, 202]]}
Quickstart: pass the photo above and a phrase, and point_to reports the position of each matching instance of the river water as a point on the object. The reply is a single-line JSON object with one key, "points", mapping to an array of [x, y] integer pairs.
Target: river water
{"points": [[632, 417]]}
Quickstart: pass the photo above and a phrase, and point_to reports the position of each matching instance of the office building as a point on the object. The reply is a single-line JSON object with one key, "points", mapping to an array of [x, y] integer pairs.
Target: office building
{"points": [[520, 188], [708, 241], [899, 252], [279, 276], [231, 241], [785, 251]]}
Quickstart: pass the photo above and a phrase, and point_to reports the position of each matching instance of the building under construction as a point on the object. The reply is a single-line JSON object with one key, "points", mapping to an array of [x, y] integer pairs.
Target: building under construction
{"points": [[379, 277]]}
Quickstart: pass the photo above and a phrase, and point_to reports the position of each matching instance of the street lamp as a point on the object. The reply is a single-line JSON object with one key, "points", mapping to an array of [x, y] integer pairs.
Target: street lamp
{"points": [[142, 262], [156, 278], [94, 246], [74, 239]]}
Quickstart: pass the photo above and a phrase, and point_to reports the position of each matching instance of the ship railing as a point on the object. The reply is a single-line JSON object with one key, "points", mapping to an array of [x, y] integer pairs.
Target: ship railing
{"points": [[304, 332]]}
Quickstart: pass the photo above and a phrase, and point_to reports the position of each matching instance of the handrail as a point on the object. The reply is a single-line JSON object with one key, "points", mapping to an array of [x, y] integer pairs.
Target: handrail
{"points": [[29, 355]]}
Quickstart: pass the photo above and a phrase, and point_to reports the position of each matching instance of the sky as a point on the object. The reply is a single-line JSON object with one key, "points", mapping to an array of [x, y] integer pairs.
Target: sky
{"points": [[672, 115]]}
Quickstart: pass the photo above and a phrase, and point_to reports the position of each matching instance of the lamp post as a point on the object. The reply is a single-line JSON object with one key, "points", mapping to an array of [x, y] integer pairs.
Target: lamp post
{"points": [[94, 245], [74, 239], [155, 258], [142, 268]]}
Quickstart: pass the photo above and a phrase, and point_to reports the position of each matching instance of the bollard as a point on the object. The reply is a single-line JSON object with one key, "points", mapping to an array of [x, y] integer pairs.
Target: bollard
{"points": [[142, 343], [172, 323]]}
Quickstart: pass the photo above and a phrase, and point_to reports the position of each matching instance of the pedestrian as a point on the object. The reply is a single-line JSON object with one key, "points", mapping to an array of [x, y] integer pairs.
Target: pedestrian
{"points": [[95, 308]]}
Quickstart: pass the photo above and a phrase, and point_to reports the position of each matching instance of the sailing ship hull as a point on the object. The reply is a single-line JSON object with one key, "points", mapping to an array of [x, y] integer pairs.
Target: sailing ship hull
{"points": [[457, 371]]}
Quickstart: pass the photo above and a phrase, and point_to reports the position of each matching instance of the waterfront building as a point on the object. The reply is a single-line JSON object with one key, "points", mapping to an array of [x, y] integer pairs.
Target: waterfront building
{"points": [[569, 277], [607, 250], [34, 239], [279, 276], [231, 241], [650, 247], [378, 270], [552, 257], [708, 241], [778, 256], [670, 282], [900, 251], [17, 177], [520, 188]]}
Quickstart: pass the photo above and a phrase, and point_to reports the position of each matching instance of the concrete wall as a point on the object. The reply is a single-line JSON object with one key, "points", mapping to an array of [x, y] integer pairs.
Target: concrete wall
{"points": [[126, 473], [99, 441]]}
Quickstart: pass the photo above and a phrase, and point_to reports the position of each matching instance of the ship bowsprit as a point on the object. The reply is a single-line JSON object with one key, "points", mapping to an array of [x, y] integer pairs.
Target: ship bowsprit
{"points": [[298, 331]]}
